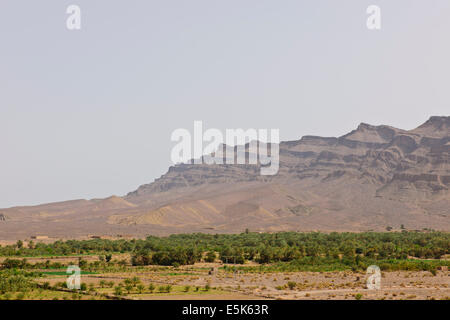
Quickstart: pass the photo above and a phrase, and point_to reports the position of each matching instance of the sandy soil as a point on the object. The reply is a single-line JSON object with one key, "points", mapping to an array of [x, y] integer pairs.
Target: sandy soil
{"points": [[405, 285]]}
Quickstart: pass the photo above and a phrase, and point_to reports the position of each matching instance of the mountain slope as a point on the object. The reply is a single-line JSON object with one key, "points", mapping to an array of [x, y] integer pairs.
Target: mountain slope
{"points": [[368, 179]]}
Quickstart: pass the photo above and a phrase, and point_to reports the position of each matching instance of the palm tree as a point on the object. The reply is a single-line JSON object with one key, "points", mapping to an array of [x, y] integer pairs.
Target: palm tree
{"points": [[128, 282], [140, 288], [129, 288], [118, 291], [135, 281]]}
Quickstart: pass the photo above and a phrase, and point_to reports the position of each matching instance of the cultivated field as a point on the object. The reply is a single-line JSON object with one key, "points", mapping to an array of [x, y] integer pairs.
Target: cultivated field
{"points": [[195, 282], [39, 271]]}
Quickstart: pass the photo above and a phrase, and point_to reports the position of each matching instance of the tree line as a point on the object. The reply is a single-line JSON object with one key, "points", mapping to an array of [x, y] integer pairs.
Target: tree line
{"points": [[264, 248]]}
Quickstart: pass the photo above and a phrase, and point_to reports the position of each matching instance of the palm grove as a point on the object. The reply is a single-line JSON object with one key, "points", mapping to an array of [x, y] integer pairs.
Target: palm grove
{"points": [[280, 251]]}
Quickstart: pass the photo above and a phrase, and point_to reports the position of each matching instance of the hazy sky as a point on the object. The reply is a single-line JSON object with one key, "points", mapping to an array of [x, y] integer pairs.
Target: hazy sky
{"points": [[89, 113]]}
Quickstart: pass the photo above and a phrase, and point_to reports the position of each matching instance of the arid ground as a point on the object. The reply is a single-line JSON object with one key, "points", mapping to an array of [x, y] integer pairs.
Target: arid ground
{"points": [[209, 281]]}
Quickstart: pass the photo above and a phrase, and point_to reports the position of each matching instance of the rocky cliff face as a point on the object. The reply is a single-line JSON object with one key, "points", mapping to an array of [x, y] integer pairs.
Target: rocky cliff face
{"points": [[368, 179], [377, 154]]}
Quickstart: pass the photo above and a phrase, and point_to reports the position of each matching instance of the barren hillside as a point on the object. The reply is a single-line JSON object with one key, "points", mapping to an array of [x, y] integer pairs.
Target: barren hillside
{"points": [[368, 179]]}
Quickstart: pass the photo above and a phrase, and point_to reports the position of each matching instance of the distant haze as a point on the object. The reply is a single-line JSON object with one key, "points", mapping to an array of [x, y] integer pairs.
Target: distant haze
{"points": [[89, 113]]}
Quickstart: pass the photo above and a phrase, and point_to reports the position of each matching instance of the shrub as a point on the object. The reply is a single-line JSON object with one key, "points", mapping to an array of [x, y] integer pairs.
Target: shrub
{"points": [[291, 285], [129, 288], [140, 288], [20, 296], [211, 256], [118, 291]]}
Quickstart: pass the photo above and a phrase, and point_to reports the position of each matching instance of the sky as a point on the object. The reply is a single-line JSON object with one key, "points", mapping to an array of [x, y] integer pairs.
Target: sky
{"points": [[89, 113]]}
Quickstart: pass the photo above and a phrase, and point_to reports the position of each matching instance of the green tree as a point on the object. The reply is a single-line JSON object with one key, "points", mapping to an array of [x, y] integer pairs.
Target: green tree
{"points": [[140, 288], [135, 281], [211, 256], [118, 291], [129, 288]]}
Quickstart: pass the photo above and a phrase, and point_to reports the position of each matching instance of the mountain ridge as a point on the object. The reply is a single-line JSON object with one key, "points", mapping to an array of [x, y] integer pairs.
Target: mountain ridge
{"points": [[368, 179]]}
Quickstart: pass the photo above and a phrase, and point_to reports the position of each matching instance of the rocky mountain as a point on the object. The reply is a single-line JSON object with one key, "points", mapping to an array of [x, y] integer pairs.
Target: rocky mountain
{"points": [[369, 179]]}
